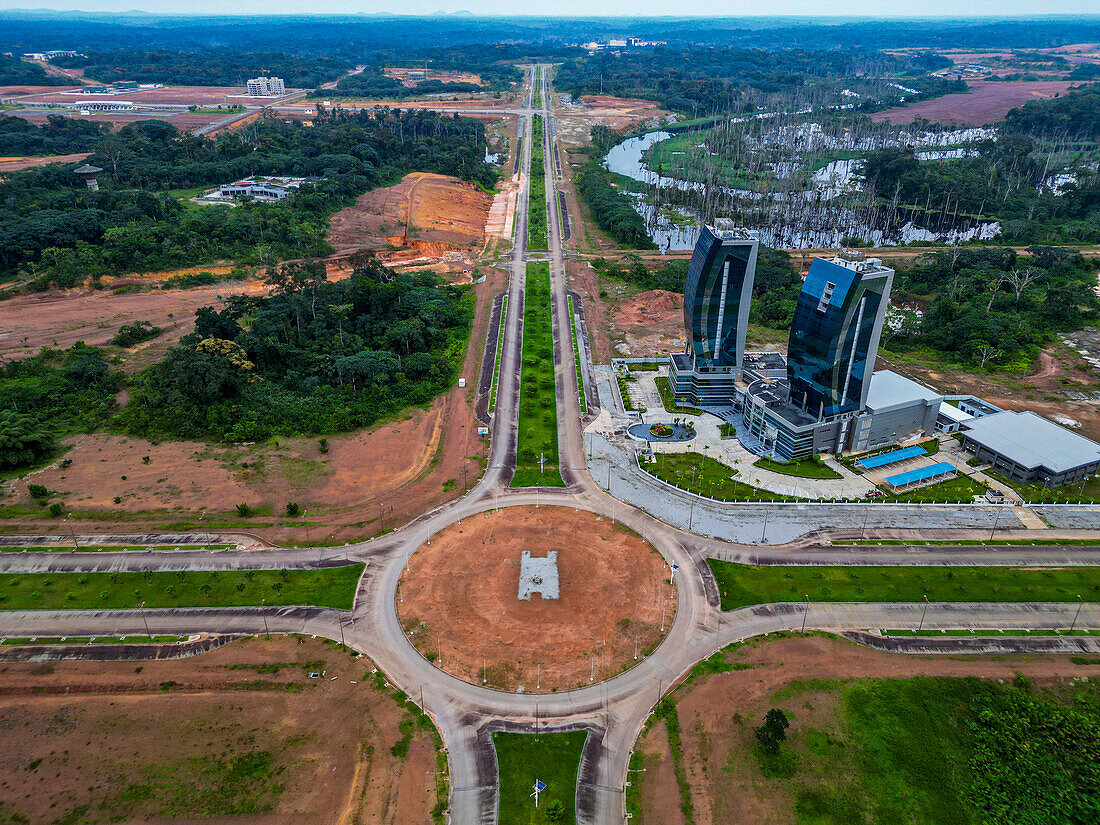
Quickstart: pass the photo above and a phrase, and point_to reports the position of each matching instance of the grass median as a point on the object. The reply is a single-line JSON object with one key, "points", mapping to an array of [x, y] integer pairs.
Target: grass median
{"points": [[330, 587], [536, 203], [552, 758], [741, 585], [538, 416]]}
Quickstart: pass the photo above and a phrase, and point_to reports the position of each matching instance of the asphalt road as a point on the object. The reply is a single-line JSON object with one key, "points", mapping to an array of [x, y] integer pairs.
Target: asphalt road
{"points": [[613, 711]]}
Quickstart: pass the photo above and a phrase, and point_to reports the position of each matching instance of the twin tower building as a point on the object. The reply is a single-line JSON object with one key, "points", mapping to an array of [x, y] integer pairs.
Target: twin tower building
{"points": [[825, 396]]}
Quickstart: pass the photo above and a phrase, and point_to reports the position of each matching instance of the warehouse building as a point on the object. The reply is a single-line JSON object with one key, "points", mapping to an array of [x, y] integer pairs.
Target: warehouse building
{"points": [[1028, 448]]}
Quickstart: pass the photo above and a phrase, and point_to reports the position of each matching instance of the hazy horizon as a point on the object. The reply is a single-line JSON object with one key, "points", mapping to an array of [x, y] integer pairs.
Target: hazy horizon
{"points": [[863, 9]]}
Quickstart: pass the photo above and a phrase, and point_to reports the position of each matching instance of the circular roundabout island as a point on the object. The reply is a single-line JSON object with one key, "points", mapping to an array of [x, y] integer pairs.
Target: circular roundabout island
{"points": [[535, 599]]}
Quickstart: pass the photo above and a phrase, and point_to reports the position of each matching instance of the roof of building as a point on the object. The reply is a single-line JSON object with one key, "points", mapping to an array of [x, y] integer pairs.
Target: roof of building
{"points": [[940, 468], [1029, 440], [892, 457], [888, 389], [948, 410]]}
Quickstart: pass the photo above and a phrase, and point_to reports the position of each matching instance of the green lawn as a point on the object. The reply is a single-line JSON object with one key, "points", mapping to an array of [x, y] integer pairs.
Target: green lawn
{"points": [[330, 587], [804, 468], [1087, 491], [496, 359], [943, 751], [577, 359], [552, 758], [711, 478], [741, 585], [536, 204], [538, 416], [698, 473], [669, 402]]}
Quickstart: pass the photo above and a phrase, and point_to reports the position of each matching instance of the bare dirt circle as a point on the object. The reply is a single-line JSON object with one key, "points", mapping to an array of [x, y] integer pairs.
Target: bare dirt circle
{"points": [[459, 601]]}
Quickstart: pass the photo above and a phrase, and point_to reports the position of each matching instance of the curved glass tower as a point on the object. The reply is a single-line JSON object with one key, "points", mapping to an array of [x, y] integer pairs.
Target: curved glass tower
{"points": [[717, 294], [835, 335]]}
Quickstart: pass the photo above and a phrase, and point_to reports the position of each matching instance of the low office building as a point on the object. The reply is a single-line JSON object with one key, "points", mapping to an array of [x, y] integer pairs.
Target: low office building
{"points": [[1028, 448], [258, 188], [896, 409]]}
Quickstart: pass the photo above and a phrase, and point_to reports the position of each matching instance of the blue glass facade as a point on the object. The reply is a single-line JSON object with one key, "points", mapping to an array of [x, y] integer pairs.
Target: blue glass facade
{"points": [[717, 295], [835, 336]]}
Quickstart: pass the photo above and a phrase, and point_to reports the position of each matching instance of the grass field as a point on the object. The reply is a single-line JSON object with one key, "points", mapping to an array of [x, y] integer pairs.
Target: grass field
{"points": [[706, 476], [946, 751], [538, 417], [536, 204], [496, 358], [741, 585], [552, 758], [804, 468], [702, 474], [88, 640], [331, 587], [577, 358], [664, 389]]}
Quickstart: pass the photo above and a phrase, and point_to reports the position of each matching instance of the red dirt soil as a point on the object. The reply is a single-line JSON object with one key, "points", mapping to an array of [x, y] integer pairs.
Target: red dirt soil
{"points": [[402, 74], [987, 102], [184, 121], [92, 728], [652, 323], [428, 213], [406, 466], [15, 164], [726, 787], [460, 599]]}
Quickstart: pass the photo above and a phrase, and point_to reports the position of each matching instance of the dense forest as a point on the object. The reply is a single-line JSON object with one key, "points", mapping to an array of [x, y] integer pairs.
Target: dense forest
{"points": [[1009, 179], [54, 230], [990, 308], [59, 135], [353, 35], [50, 395], [704, 81], [1073, 116], [611, 208], [373, 83], [313, 357], [16, 72], [221, 67]]}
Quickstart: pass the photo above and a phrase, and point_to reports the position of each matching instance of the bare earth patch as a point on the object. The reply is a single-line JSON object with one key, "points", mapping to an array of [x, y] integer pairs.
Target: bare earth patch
{"points": [[426, 213], [717, 716], [241, 728], [459, 601], [988, 101]]}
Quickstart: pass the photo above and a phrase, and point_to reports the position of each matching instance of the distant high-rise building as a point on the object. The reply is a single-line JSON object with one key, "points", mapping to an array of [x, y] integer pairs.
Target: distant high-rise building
{"points": [[717, 294], [266, 87], [835, 334]]}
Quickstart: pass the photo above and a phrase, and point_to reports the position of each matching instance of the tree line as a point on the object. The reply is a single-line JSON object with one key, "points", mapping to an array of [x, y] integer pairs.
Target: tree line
{"points": [[53, 230], [17, 72], [312, 357], [206, 67], [59, 135], [991, 308]]}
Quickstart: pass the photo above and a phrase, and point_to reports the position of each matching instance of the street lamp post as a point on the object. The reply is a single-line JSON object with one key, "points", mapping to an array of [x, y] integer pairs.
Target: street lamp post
{"points": [[1080, 604], [263, 613], [923, 613], [145, 621], [805, 612]]}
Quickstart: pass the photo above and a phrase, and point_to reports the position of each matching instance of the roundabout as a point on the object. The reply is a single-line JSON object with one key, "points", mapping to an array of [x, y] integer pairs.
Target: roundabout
{"points": [[511, 599], [661, 431]]}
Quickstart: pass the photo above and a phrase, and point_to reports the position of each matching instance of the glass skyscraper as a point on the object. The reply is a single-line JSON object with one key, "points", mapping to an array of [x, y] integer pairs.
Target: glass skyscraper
{"points": [[717, 294], [835, 335]]}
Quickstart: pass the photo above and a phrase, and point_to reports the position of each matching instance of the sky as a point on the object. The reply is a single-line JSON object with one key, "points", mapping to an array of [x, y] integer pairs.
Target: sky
{"points": [[731, 8]]}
